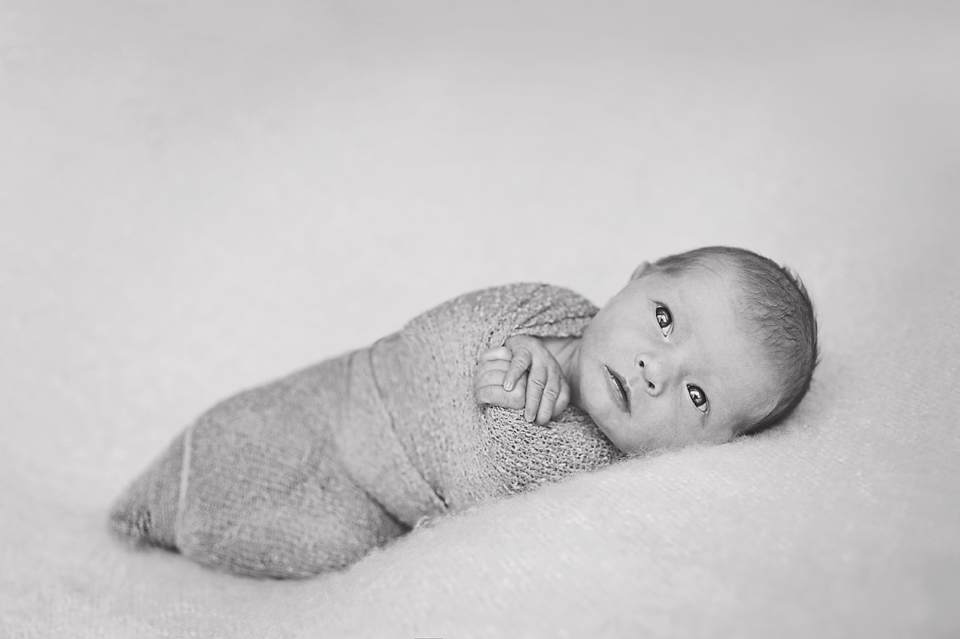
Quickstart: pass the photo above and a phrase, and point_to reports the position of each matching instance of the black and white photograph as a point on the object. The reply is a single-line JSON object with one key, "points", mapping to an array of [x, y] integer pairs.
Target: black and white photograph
{"points": [[466, 320]]}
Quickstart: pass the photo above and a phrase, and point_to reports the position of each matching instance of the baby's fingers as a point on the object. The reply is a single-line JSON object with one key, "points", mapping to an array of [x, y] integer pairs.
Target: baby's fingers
{"points": [[497, 353], [555, 399], [540, 388], [518, 366], [495, 395], [489, 376]]}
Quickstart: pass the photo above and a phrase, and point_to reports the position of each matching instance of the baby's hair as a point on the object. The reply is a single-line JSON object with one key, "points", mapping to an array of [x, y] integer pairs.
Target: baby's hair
{"points": [[777, 302]]}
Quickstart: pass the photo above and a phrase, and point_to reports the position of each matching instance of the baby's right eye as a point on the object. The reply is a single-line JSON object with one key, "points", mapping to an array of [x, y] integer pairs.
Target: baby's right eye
{"points": [[698, 397], [664, 319]]}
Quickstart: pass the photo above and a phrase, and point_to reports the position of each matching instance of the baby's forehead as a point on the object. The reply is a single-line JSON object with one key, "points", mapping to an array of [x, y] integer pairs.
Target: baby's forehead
{"points": [[721, 302], [708, 283], [706, 264]]}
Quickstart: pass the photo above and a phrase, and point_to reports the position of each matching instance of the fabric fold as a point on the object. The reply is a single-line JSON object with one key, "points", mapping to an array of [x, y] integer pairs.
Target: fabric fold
{"points": [[373, 455]]}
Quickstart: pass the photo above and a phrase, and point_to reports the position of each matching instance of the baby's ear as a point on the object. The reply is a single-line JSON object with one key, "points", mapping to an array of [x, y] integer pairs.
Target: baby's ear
{"points": [[641, 270]]}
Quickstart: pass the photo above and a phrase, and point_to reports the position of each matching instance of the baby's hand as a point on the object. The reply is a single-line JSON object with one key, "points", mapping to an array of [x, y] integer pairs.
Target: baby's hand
{"points": [[488, 385], [548, 393], [523, 369]]}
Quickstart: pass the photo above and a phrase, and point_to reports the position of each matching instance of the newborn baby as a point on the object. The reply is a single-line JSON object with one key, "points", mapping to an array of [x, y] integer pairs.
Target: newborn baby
{"points": [[697, 348], [311, 472]]}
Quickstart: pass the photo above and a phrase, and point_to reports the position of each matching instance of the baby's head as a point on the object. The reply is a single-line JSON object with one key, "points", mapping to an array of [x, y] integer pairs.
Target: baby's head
{"points": [[698, 347]]}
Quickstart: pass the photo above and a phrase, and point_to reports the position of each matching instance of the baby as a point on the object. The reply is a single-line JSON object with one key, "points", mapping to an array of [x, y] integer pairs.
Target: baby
{"points": [[312, 471], [697, 348]]}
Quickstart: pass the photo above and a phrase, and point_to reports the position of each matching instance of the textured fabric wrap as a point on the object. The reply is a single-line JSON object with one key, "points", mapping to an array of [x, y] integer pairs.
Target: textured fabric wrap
{"points": [[310, 472]]}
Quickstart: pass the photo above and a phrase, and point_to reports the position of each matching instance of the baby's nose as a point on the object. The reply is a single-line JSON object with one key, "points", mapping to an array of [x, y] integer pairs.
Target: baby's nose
{"points": [[651, 371]]}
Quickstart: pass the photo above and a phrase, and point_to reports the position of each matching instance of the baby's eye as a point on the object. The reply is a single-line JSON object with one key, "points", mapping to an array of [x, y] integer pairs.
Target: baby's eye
{"points": [[664, 319], [698, 397]]}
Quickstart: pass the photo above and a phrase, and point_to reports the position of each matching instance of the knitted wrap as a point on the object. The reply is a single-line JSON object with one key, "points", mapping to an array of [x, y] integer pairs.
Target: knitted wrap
{"points": [[310, 472]]}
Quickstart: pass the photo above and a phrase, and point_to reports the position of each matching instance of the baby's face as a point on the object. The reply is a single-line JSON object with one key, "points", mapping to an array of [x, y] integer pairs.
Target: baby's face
{"points": [[670, 361]]}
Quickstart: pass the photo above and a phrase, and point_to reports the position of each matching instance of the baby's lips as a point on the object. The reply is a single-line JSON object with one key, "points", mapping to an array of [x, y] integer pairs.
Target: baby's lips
{"points": [[618, 390]]}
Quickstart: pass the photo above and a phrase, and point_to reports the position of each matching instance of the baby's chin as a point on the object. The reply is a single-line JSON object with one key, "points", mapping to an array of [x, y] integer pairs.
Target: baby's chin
{"points": [[617, 436], [606, 418], [631, 438]]}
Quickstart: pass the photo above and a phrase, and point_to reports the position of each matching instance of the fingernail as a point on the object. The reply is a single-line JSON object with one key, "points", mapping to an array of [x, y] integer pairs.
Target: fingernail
{"points": [[508, 385]]}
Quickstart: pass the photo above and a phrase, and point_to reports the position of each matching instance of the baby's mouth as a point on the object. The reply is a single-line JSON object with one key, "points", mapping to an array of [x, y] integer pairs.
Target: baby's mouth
{"points": [[619, 390]]}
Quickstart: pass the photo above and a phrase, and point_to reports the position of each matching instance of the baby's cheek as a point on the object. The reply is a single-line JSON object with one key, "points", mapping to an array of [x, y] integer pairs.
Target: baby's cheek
{"points": [[590, 401], [654, 424]]}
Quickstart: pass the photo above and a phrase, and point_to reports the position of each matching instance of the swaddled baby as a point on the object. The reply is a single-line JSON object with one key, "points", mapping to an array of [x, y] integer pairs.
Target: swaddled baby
{"points": [[312, 471], [697, 348]]}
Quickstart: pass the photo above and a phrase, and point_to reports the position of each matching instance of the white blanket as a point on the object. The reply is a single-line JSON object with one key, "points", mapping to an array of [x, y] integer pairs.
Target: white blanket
{"points": [[186, 188]]}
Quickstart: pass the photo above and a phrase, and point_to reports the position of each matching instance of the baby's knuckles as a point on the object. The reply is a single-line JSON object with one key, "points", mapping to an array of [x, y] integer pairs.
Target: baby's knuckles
{"points": [[495, 395]]}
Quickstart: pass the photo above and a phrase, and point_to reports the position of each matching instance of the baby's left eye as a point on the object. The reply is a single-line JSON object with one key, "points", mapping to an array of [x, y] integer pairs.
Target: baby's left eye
{"points": [[664, 319], [698, 397]]}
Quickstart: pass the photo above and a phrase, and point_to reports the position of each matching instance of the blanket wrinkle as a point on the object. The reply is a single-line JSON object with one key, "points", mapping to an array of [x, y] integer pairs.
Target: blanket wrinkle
{"points": [[310, 472], [377, 461]]}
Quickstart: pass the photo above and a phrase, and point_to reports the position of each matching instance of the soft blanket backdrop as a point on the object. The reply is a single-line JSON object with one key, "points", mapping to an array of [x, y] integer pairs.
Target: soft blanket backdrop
{"points": [[197, 197]]}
